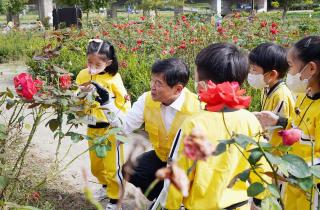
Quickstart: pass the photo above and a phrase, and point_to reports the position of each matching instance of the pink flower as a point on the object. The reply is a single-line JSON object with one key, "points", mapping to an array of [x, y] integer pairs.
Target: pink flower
{"points": [[176, 176], [196, 147], [290, 137], [164, 52]]}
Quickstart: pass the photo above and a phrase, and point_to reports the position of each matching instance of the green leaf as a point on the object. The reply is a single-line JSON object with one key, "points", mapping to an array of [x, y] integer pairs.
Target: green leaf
{"points": [[315, 170], [255, 189], [75, 137], [270, 203], [244, 176], [113, 131], [273, 190], [283, 148], [3, 182], [243, 140], [275, 160], [53, 124], [221, 148], [305, 183], [255, 156], [9, 93], [121, 138], [100, 151], [10, 104], [3, 134], [296, 166]]}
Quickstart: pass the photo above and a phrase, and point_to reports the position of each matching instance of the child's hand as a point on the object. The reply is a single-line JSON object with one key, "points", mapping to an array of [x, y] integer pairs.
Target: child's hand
{"points": [[267, 118], [86, 87]]}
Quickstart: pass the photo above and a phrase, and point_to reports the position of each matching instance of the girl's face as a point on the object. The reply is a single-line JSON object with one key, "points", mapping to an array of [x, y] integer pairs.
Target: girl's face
{"points": [[300, 71], [97, 63]]}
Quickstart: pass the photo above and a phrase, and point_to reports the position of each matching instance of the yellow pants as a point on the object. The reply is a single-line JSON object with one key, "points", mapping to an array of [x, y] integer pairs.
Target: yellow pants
{"points": [[296, 199], [108, 169]]}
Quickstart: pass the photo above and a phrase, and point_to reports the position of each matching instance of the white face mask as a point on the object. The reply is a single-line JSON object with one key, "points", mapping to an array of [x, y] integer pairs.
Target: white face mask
{"points": [[94, 70], [257, 81], [295, 83]]}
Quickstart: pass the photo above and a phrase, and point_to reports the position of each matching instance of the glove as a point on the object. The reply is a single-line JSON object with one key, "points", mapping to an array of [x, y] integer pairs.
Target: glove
{"points": [[103, 93]]}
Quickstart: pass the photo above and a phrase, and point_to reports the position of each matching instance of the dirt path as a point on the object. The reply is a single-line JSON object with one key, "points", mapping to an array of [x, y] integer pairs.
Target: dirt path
{"points": [[44, 146]]}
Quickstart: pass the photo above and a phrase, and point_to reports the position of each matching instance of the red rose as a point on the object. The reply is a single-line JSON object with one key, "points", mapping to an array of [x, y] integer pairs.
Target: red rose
{"points": [[263, 24], [274, 25], [220, 29], [274, 31], [142, 18], [65, 81], [172, 51], [139, 42], [183, 18], [235, 39], [134, 49], [290, 137], [219, 96], [25, 86]]}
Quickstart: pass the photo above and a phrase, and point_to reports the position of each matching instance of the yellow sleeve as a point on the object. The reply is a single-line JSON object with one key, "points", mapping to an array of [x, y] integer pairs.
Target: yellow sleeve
{"points": [[174, 197], [120, 92], [83, 77]]}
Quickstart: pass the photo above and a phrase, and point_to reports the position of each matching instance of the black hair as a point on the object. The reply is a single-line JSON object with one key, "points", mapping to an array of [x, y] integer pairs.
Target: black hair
{"points": [[270, 57], [107, 50], [222, 62], [308, 49], [174, 70]]}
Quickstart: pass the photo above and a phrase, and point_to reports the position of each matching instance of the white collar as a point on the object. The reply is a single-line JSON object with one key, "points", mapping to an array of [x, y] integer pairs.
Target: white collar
{"points": [[178, 103]]}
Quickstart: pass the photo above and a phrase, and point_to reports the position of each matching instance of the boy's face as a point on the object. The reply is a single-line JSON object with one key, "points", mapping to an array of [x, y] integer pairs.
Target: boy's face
{"points": [[269, 77], [161, 91]]}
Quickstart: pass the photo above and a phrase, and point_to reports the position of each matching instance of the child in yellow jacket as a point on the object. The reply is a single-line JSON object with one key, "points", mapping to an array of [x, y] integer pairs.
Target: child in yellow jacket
{"points": [[102, 75], [304, 80], [209, 180], [268, 67]]}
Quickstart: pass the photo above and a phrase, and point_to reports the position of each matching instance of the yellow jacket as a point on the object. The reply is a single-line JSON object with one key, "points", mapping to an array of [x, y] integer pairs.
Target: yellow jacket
{"points": [[115, 87], [210, 178], [307, 119], [160, 138], [279, 100]]}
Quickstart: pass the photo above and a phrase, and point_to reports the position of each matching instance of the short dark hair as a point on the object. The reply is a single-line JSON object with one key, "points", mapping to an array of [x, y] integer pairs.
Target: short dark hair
{"points": [[270, 56], [222, 62], [174, 70], [107, 50]]}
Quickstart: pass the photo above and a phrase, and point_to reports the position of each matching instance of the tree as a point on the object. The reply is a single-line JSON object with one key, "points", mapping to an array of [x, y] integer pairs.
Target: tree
{"points": [[12, 8], [148, 5], [286, 4]]}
